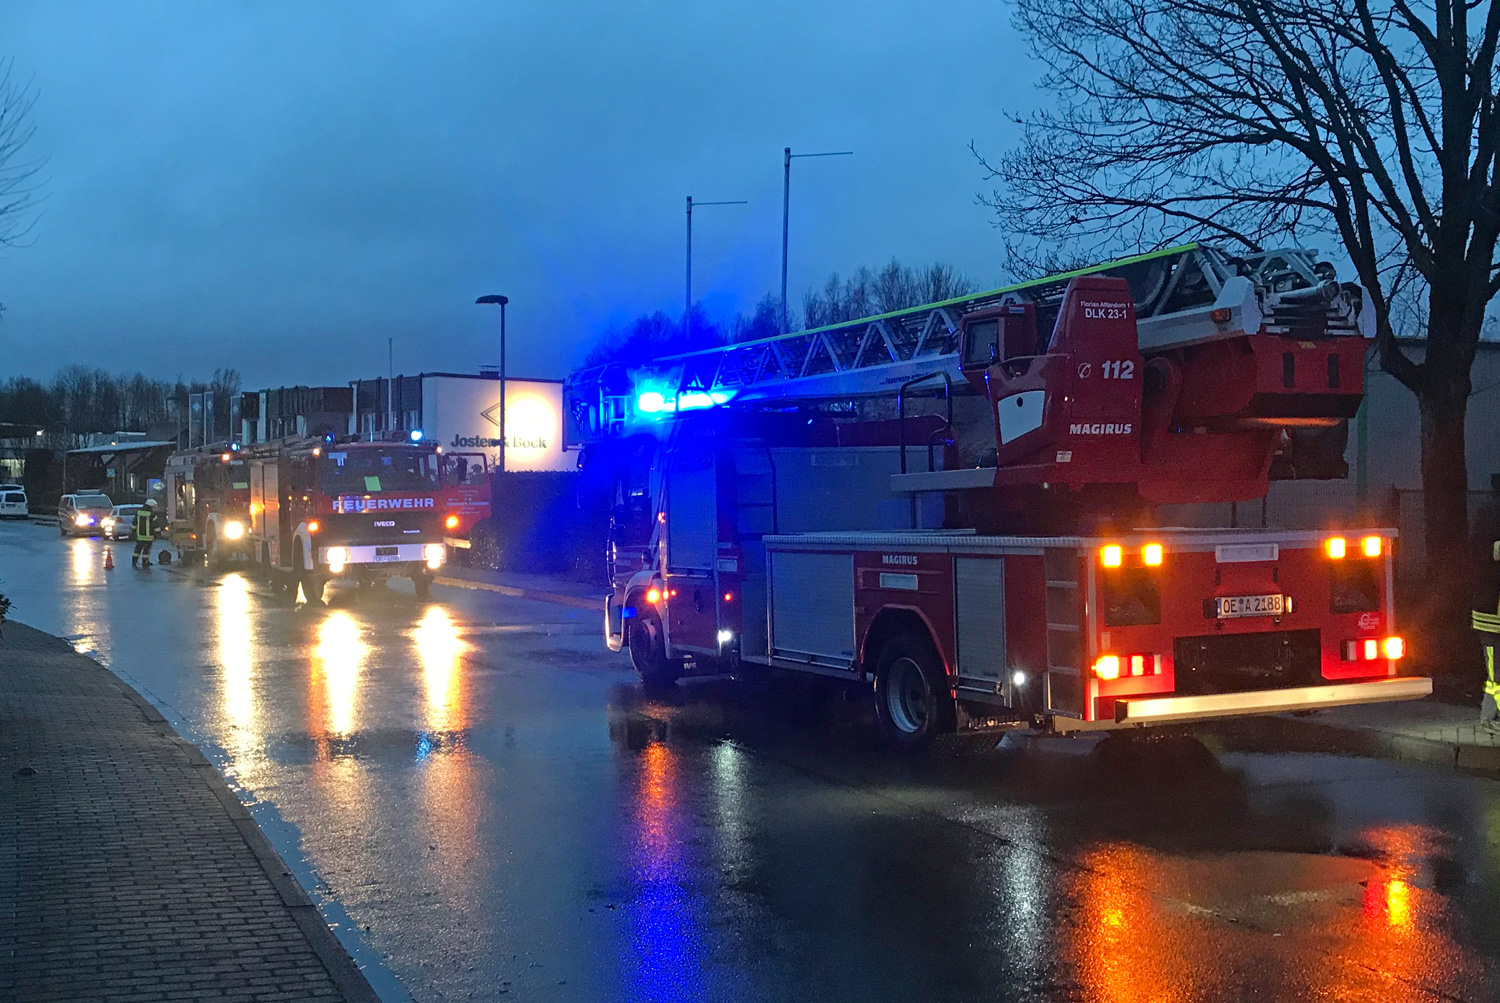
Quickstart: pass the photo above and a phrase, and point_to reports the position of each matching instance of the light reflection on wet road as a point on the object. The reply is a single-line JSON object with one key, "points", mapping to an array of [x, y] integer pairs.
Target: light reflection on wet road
{"points": [[488, 791]]}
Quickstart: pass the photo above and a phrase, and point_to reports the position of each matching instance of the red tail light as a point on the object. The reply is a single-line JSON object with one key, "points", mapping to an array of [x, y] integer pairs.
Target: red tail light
{"points": [[1123, 666], [1372, 649]]}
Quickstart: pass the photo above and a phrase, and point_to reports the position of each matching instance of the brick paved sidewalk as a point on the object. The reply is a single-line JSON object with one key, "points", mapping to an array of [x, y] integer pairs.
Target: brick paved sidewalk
{"points": [[1423, 731], [128, 870]]}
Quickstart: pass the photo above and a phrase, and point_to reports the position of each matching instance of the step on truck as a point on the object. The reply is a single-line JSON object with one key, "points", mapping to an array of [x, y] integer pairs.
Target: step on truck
{"points": [[961, 506], [322, 509]]}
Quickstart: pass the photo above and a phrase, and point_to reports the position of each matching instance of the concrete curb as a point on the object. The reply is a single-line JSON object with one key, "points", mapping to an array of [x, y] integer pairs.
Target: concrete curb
{"points": [[1299, 734], [557, 598], [342, 970]]}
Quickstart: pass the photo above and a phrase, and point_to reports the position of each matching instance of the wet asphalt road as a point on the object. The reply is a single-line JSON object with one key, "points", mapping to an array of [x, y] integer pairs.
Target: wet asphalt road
{"points": [[492, 809]]}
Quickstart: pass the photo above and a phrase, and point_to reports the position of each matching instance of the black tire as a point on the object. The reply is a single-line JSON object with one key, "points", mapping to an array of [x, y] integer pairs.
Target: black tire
{"points": [[648, 650], [423, 585], [913, 704]]}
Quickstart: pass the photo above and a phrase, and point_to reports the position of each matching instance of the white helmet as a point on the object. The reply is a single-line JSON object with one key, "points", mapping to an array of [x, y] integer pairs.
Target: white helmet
{"points": [[151, 503]]}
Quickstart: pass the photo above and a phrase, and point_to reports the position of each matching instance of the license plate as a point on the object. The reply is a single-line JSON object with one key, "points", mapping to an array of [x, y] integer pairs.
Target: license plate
{"points": [[1226, 607], [387, 553]]}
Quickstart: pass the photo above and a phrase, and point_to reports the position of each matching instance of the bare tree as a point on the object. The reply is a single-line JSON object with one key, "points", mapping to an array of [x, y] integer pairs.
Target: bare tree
{"points": [[1248, 121], [18, 176], [894, 287]]}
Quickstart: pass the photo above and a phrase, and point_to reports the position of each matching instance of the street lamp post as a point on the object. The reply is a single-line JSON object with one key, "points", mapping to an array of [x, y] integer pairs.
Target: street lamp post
{"points": [[492, 300], [687, 315], [786, 211]]}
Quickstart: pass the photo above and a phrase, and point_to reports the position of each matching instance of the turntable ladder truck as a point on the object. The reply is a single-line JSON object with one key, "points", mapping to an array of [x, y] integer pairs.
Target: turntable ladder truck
{"points": [[956, 505]]}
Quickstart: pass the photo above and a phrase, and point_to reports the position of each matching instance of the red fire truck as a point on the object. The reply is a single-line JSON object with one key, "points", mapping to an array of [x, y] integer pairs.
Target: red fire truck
{"points": [[959, 505], [322, 509], [208, 503]]}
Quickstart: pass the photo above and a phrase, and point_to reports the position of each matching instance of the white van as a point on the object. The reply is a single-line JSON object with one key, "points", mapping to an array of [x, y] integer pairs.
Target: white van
{"points": [[12, 501]]}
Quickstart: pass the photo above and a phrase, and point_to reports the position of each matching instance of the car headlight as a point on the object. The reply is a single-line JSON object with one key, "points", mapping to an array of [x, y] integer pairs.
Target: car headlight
{"points": [[434, 553], [107, 523], [81, 520], [338, 555], [234, 530]]}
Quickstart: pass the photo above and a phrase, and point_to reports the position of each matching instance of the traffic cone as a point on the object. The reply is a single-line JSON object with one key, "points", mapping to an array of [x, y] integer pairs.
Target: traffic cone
{"points": [[109, 558]]}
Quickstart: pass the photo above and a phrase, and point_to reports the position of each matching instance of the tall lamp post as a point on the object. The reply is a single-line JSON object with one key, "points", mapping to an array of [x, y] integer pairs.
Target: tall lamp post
{"points": [[687, 315], [492, 300], [786, 211]]}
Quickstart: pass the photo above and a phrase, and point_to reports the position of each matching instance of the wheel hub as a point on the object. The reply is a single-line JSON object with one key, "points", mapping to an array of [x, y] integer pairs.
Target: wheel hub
{"points": [[907, 698]]}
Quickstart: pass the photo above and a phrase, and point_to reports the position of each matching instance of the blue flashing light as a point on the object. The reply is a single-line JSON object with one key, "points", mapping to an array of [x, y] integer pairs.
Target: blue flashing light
{"points": [[651, 402], [694, 400], [416, 435], [234, 447], [627, 612]]}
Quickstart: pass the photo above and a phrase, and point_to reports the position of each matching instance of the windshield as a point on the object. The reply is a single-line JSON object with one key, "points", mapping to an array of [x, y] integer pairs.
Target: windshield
{"points": [[370, 471], [92, 501]]}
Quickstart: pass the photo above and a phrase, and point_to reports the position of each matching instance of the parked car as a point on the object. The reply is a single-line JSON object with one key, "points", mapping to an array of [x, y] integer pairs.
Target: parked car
{"points": [[120, 523], [12, 501], [81, 513]]}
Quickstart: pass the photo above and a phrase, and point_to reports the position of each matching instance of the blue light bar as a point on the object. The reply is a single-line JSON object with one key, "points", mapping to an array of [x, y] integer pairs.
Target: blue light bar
{"points": [[416, 435], [652, 402]]}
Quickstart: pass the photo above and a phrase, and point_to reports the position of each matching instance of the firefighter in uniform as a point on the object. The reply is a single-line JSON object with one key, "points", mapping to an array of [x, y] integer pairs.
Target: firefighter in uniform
{"points": [[1487, 597], [145, 534]]}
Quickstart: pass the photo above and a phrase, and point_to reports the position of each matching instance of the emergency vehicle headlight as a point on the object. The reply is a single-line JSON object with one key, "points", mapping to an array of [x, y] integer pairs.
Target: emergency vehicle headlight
{"points": [[1018, 678], [451, 522], [338, 555], [1151, 554], [234, 530], [1107, 667], [1395, 647], [1335, 546], [433, 552], [726, 636], [1112, 556], [1371, 546], [81, 520]]}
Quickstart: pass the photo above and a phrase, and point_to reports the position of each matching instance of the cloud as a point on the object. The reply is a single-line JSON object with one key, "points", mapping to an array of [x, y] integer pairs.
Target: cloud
{"points": [[283, 186]]}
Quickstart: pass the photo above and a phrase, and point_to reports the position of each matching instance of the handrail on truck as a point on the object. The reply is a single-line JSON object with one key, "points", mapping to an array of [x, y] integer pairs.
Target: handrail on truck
{"points": [[901, 411]]}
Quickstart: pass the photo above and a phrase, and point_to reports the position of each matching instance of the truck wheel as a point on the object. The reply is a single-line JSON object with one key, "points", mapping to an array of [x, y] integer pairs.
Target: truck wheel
{"points": [[648, 652], [912, 702]]}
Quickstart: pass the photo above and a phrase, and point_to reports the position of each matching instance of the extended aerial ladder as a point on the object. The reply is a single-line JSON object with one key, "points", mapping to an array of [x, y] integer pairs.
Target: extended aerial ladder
{"points": [[1176, 376]]}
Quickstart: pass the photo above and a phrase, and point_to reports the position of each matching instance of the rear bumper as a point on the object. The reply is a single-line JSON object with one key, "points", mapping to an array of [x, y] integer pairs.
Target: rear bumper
{"points": [[1143, 711]]}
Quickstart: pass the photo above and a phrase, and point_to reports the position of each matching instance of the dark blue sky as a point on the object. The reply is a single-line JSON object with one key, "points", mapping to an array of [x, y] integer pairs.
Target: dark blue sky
{"points": [[280, 186]]}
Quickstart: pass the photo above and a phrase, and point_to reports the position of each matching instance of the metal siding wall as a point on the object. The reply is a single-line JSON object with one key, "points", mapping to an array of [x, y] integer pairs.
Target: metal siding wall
{"points": [[979, 587], [812, 606]]}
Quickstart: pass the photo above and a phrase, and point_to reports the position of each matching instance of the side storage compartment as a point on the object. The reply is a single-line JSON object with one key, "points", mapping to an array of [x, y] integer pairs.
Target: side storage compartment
{"points": [[812, 608]]}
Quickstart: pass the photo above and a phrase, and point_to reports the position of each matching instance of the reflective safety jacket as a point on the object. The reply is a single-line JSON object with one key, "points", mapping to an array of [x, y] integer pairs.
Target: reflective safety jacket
{"points": [[1489, 624], [144, 530]]}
